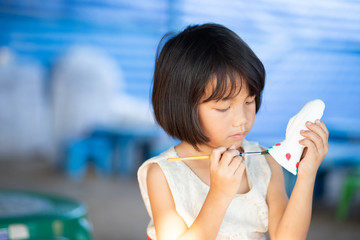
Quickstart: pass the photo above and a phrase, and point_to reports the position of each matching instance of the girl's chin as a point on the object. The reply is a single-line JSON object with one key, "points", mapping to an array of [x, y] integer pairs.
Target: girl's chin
{"points": [[237, 143]]}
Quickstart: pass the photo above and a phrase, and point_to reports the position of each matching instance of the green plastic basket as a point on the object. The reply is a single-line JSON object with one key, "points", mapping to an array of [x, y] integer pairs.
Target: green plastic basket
{"points": [[30, 215]]}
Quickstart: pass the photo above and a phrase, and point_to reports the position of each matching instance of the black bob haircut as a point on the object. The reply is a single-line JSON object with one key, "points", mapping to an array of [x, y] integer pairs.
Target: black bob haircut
{"points": [[187, 63]]}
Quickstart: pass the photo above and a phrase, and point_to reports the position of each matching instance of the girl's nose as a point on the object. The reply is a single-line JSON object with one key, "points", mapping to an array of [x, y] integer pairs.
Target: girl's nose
{"points": [[239, 118]]}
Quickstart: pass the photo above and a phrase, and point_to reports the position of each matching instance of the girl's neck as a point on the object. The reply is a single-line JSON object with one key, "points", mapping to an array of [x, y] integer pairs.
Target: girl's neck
{"points": [[185, 149]]}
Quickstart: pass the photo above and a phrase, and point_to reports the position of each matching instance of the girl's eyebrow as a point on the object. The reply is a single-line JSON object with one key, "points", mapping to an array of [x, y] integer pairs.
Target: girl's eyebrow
{"points": [[228, 98]]}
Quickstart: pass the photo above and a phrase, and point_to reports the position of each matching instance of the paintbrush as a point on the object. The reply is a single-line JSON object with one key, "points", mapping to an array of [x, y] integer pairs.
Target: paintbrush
{"points": [[265, 152]]}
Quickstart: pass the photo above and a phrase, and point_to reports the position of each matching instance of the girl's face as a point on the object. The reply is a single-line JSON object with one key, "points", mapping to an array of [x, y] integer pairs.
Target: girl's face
{"points": [[227, 122]]}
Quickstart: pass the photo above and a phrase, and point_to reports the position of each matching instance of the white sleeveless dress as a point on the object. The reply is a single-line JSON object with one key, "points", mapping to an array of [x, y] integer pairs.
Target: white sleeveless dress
{"points": [[247, 215]]}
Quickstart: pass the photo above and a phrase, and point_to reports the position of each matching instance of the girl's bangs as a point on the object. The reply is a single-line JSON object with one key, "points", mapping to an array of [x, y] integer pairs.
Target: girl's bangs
{"points": [[225, 85]]}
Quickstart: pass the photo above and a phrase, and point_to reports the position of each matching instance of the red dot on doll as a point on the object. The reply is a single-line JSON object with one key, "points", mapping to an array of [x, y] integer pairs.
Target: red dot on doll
{"points": [[288, 156], [297, 165], [278, 144]]}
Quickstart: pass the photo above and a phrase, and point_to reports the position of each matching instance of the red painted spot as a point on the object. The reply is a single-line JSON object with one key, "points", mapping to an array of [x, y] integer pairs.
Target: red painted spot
{"points": [[297, 165], [288, 156], [278, 144]]}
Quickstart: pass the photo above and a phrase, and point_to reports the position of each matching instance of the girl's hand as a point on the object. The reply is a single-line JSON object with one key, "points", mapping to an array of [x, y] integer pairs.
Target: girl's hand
{"points": [[226, 171], [316, 143]]}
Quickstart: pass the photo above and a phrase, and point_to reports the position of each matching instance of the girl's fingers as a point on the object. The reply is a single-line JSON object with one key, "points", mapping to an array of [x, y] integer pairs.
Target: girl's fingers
{"points": [[222, 157], [232, 147], [235, 163], [228, 156], [316, 146], [311, 147], [318, 133], [320, 128], [323, 127], [241, 167], [325, 136], [216, 155], [316, 139]]}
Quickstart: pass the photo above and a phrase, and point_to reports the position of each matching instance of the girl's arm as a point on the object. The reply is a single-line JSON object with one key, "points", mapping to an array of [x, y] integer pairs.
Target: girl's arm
{"points": [[291, 219], [226, 173]]}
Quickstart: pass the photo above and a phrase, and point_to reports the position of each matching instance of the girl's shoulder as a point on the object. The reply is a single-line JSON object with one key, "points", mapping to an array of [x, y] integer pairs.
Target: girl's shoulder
{"points": [[154, 164], [161, 158]]}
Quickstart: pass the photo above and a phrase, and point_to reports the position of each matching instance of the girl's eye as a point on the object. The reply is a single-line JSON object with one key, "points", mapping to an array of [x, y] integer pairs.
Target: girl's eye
{"points": [[250, 102], [223, 109]]}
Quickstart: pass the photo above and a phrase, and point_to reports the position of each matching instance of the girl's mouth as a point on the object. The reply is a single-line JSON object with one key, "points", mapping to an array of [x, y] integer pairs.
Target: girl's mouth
{"points": [[238, 135]]}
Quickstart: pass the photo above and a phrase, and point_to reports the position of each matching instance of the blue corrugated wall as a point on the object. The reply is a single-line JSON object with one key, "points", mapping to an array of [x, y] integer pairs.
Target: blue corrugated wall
{"points": [[311, 49]]}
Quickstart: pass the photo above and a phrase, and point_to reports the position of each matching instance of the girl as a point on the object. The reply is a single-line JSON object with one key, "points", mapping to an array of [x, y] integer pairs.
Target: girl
{"points": [[207, 90]]}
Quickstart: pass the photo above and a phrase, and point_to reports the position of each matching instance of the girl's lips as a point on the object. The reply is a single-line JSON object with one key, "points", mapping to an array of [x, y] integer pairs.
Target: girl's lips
{"points": [[238, 135]]}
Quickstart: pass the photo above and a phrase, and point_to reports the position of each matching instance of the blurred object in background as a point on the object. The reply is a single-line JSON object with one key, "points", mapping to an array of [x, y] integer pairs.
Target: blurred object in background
{"points": [[84, 84], [88, 94], [32, 215], [350, 188], [24, 120]]}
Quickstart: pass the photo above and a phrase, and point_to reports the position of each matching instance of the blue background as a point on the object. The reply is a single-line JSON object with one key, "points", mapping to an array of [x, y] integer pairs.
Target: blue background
{"points": [[310, 49]]}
